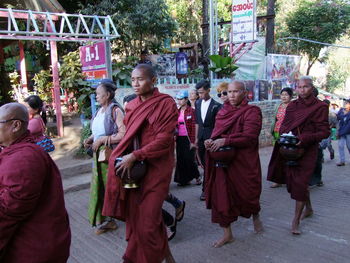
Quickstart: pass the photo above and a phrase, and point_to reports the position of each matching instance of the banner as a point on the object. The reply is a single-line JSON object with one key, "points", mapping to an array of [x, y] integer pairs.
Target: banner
{"points": [[243, 21]]}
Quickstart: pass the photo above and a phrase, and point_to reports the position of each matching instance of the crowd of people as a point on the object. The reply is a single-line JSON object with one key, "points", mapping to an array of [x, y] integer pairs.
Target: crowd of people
{"points": [[134, 161]]}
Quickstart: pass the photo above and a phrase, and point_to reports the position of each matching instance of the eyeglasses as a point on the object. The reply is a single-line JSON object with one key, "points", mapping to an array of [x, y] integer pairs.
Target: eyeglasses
{"points": [[224, 93], [5, 121]]}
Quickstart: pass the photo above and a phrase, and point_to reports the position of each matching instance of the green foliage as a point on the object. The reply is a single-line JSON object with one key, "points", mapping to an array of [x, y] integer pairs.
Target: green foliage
{"points": [[140, 23], [122, 70], [5, 86], [70, 72], [84, 134], [43, 85], [196, 73], [223, 66], [84, 101], [322, 20]]}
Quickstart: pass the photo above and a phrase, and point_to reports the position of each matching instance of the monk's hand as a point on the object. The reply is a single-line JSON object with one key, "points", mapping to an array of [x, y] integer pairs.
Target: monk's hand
{"points": [[207, 143], [215, 145], [126, 164]]}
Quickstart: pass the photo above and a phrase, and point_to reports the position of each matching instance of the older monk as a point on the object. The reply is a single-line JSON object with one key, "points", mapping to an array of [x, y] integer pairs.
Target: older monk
{"points": [[233, 188], [152, 118], [34, 224], [306, 118]]}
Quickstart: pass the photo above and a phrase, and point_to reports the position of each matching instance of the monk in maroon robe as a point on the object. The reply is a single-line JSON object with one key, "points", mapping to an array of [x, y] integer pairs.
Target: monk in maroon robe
{"points": [[235, 190], [306, 118], [34, 224], [152, 116]]}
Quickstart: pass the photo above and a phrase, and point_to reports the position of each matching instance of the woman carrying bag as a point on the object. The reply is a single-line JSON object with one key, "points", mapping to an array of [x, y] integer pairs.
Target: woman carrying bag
{"points": [[107, 130]]}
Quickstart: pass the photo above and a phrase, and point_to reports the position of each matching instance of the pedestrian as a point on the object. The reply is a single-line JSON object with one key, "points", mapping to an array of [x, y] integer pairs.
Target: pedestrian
{"points": [[186, 143], [193, 97], [34, 225], [344, 131], [286, 96], [37, 117], [107, 129], [327, 143], [222, 91], [233, 186], [151, 118], [206, 110], [307, 118]]}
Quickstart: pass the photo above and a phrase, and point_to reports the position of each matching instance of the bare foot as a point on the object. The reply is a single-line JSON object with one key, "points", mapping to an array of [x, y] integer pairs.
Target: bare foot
{"points": [[307, 213], [275, 185], [223, 241], [258, 226], [295, 228]]}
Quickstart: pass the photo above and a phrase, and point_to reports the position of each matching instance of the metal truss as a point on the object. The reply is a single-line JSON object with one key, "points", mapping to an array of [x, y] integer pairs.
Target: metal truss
{"points": [[33, 25]]}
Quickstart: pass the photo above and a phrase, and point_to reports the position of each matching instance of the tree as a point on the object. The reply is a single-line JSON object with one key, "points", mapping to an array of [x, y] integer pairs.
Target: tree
{"points": [[322, 20]]}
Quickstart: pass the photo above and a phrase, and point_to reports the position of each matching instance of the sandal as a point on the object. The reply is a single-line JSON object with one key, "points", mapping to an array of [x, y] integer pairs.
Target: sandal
{"points": [[106, 226], [198, 181], [171, 230], [180, 212]]}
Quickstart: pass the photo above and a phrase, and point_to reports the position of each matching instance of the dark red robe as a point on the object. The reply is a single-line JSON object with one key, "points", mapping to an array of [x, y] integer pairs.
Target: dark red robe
{"points": [[154, 120], [235, 191], [34, 224], [308, 120]]}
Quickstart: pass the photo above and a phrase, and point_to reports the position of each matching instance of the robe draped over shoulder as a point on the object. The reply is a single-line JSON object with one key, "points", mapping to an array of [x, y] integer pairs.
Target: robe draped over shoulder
{"points": [[34, 225], [153, 121], [308, 120], [235, 191]]}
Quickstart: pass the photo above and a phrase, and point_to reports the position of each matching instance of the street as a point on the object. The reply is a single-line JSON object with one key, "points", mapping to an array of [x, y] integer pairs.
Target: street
{"points": [[325, 236]]}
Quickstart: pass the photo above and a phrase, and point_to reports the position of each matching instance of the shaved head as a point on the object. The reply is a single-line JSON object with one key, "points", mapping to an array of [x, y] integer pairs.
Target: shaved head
{"points": [[147, 69], [14, 119]]}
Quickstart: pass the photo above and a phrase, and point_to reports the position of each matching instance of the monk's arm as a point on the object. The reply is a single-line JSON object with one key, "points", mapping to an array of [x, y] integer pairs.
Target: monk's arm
{"points": [[250, 132], [322, 130], [19, 192], [164, 128]]}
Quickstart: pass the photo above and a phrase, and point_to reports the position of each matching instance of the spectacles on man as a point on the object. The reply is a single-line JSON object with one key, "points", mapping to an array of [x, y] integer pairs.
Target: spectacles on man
{"points": [[224, 93], [5, 121]]}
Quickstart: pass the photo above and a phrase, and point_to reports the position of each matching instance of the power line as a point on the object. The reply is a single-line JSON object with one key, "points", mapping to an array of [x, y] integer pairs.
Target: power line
{"points": [[313, 41]]}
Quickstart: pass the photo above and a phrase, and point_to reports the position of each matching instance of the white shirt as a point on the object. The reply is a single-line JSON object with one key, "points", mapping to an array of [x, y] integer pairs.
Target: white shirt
{"points": [[204, 108], [98, 125]]}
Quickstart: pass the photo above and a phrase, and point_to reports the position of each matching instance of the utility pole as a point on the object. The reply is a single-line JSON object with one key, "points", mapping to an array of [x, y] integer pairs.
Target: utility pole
{"points": [[205, 31], [270, 27]]}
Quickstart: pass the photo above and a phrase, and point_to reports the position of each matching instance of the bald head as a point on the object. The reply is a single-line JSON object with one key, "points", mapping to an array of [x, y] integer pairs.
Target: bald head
{"points": [[147, 69], [240, 84], [14, 111], [13, 123]]}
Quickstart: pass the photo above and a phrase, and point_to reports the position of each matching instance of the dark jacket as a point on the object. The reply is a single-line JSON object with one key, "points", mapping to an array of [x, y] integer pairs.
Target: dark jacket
{"points": [[205, 128], [344, 123]]}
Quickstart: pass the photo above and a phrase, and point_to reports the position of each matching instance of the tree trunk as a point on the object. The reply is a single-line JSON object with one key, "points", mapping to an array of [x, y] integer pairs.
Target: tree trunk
{"points": [[270, 27], [205, 31], [309, 65]]}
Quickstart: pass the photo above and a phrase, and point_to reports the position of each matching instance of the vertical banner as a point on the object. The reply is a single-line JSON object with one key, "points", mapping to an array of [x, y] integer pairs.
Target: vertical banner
{"points": [[243, 21], [181, 63]]}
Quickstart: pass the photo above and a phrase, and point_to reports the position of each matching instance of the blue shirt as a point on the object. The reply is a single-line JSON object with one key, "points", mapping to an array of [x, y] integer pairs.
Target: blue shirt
{"points": [[344, 122]]}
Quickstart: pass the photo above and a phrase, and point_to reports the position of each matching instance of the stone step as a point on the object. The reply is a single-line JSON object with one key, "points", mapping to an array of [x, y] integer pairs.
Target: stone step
{"points": [[76, 169], [76, 183]]}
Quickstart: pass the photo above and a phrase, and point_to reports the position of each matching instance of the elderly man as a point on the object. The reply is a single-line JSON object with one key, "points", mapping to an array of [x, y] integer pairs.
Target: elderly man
{"points": [[306, 118], [233, 187], [34, 224], [152, 118]]}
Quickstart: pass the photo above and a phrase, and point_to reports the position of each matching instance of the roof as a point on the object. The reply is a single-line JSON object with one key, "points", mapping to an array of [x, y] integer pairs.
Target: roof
{"points": [[52, 6]]}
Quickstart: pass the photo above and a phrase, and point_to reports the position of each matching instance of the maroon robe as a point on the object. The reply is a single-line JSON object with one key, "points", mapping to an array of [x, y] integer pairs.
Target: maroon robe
{"points": [[235, 191], [308, 120], [34, 226], [154, 121]]}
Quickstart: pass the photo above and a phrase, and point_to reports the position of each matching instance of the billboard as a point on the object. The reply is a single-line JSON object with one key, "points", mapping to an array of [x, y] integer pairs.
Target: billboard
{"points": [[243, 21]]}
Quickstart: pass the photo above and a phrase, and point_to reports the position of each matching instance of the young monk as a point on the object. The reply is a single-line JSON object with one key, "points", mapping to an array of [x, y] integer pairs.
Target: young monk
{"points": [[306, 118], [152, 116], [34, 224], [234, 190]]}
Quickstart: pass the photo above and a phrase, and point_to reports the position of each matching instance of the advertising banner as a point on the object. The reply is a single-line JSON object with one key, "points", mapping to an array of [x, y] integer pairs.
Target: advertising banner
{"points": [[181, 63], [243, 21]]}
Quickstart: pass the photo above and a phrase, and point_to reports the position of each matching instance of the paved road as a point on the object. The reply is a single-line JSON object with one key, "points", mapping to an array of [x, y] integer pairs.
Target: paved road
{"points": [[325, 238]]}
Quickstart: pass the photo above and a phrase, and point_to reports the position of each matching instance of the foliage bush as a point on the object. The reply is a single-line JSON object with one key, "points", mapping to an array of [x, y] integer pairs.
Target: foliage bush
{"points": [[84, 134]]}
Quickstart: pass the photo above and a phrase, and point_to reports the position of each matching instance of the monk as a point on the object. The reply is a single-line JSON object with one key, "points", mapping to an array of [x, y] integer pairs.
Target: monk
{"points": [[34, 224], [152, 117], [306, 118], [234, 189]]}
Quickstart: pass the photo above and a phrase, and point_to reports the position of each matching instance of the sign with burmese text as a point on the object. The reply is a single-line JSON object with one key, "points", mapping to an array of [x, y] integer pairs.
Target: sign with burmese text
{"points": [[93, 61], [243, 21]]}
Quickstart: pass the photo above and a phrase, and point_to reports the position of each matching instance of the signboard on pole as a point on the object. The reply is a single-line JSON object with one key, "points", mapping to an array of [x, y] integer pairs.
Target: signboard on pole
{"points": [[243, 21], [94, 61]]}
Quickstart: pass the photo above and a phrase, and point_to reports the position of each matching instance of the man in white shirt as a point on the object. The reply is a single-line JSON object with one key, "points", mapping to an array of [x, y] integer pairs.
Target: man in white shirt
{"points": [[206, 109]]}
